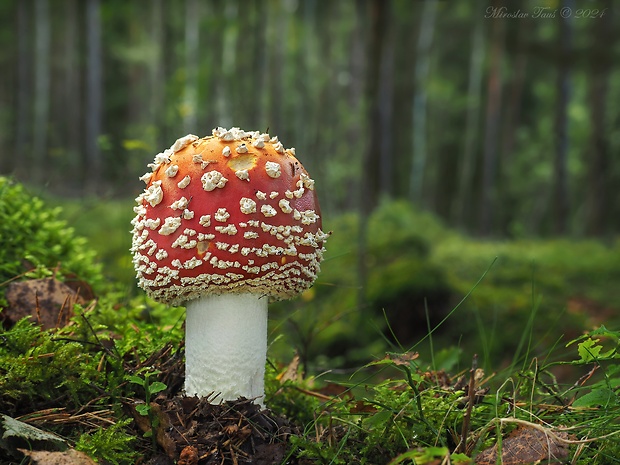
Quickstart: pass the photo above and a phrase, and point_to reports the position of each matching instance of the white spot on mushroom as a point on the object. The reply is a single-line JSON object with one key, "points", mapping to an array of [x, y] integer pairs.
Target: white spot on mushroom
{"points": [[139, 210], [225, 135], [278, 147], [221, 215], [231, 230], [205, 220], [172, 171], [180, 204], [226, 151], [285, 206], [259, 143], [213, 179], [243, 175], [273, 169], [242, 148], [247, 205], [307, 216], [250, 235], [171, 224], [146, 177], [192, 263], [152, 223], [154, 194], [160, 158], [161, 254], [183, 183], [183, 142], [261, 195], [268, 211], [176, 262], [180, 241], [273, 194], [188, 214], [306, 182]]}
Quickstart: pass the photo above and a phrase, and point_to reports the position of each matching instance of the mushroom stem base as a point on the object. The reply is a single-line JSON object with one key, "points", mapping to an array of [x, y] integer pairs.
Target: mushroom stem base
{"points": [[226, 347]]}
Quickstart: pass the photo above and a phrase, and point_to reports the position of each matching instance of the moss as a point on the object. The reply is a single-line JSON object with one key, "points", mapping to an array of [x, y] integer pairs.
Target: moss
{"points": [[36, 243]]}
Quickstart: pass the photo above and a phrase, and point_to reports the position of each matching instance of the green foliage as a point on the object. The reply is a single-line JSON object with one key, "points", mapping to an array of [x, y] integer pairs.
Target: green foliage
{"points": [[35, 364], [113, 444], [87, 366], [37, 243], [150, 389]]}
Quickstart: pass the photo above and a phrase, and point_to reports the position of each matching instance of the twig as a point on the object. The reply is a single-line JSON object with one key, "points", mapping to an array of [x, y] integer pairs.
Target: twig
{"points": [[471, 394]]}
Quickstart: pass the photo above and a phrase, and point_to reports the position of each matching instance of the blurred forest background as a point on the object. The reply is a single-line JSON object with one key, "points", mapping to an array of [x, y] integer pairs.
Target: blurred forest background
{"points": [[417, 119], [500, 117]]}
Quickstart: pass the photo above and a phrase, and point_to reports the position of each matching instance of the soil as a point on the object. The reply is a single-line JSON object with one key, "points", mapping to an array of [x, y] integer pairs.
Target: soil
{"points": [[192, 431]]}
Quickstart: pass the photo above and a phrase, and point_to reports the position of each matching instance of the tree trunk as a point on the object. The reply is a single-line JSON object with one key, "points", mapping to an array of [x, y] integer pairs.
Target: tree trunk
{"points": [[598, 159], [41, 90], [420, 155], [386, 110], [379, 13], [94, 97], [493, 106], [190, 93], [511, 122], [156, 72], [560, 184], [69, 105], [355, 96], [474, 91], [24, 82]]}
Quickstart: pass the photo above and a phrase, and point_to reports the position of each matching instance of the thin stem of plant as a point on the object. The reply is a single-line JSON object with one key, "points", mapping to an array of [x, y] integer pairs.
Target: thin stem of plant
{"points": [[471, 394]]}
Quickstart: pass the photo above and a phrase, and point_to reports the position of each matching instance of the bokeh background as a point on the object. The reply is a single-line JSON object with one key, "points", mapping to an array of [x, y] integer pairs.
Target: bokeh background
{"points": [[447, 139]]}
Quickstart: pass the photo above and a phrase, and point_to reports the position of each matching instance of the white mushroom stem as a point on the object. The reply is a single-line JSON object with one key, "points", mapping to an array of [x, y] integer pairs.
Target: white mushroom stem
{"points": [[226, 347]]}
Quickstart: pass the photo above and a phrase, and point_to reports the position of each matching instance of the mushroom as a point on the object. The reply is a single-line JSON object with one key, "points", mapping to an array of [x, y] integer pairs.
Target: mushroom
{"points": [[226, 223]]}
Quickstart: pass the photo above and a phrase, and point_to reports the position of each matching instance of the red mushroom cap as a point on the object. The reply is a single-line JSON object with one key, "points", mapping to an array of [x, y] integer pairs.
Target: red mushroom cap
{"points": [[232, 212]]}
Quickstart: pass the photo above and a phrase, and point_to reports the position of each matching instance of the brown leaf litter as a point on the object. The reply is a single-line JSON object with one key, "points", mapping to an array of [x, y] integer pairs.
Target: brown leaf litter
{"points": [[528, 443], [191, 431], [48, 301]]}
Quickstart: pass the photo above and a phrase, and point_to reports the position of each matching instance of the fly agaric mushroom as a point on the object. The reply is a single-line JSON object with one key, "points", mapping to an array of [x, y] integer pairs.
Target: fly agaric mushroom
{"points": [[226, 222]]}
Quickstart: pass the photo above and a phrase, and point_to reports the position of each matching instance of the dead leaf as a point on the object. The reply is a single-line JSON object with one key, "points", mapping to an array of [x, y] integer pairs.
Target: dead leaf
{"points": [[527, 444], [292, 372], [48, 301], [335, 390], [15, 434], [402, 359], [68, 457], [189, 456], [363, 407]]}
